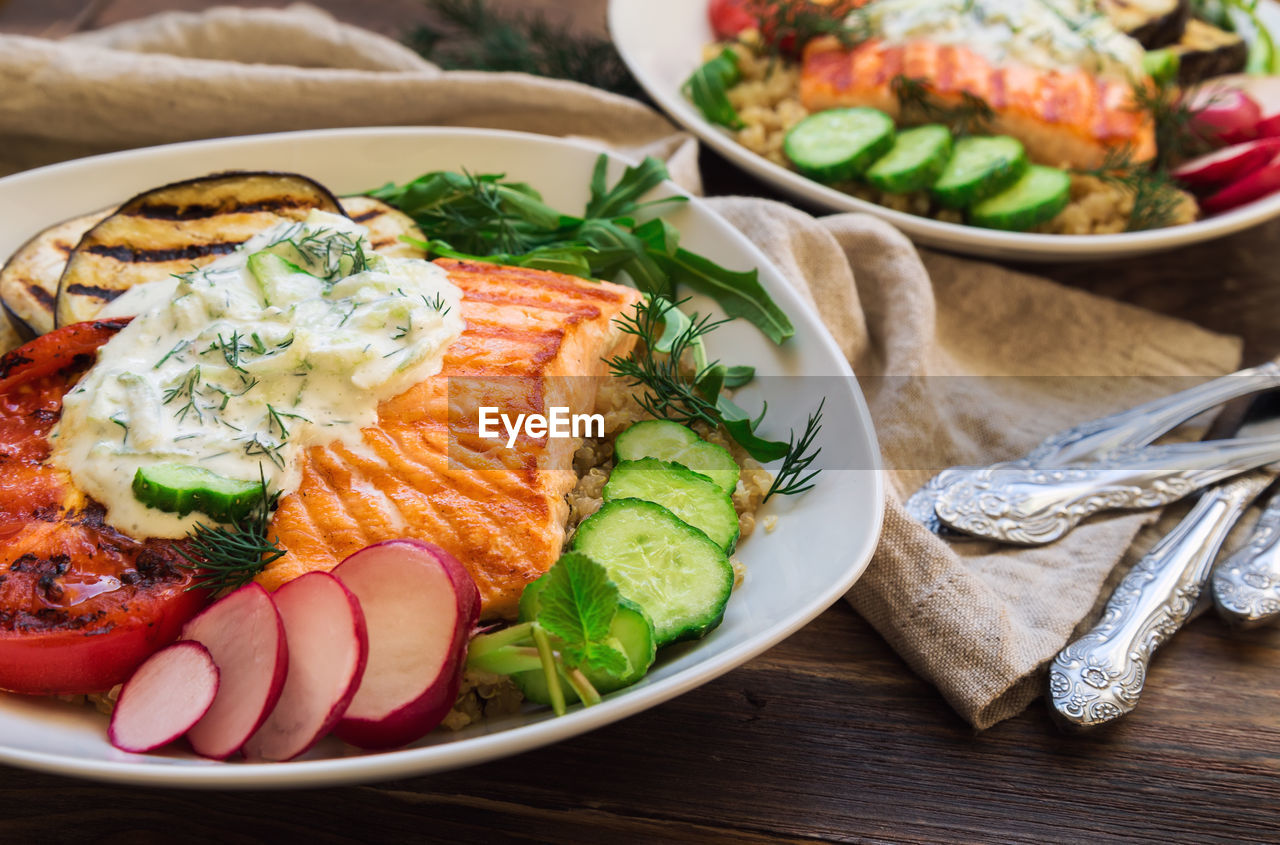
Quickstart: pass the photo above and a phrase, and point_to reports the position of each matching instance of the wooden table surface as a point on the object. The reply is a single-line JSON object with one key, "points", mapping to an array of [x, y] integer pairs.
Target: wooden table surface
{"points": [[828, 736]]}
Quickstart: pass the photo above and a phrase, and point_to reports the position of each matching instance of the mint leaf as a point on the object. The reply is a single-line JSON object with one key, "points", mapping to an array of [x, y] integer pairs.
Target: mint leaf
{"points": [[576, 607]]}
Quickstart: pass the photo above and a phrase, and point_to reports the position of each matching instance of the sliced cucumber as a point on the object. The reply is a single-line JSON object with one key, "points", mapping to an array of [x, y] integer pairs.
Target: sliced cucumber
{"points": [[632, 632], [680, 577], [980, 167], [283, 283], [670, 441], [915, 161], [1038, 196], [693, 498], [181, 489], [838, 144]]}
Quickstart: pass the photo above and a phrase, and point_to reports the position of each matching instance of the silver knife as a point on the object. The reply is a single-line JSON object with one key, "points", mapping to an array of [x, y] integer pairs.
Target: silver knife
{"points": [[1137, 426]]}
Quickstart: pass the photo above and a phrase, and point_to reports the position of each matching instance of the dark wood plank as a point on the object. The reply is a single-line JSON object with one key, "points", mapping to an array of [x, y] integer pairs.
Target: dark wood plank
{"points": [[827, 736]]}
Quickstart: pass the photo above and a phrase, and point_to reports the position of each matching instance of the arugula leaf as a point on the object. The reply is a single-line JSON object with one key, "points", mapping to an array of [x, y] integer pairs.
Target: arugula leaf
{"points": [[738, 376], [577, 607], [739, 294], [636, 181], [708, 89], [629, 254], [743, 429]]}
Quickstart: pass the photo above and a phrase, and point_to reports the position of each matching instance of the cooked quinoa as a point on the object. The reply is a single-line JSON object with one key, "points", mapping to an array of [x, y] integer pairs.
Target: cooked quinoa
{"points": [[767, 100]]}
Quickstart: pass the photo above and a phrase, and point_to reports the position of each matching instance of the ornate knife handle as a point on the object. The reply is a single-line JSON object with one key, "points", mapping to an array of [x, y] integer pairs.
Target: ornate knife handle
{"points": [[1140, 425], [1100, 676], [1246, 586], [1093, 439], [1032, 506]]}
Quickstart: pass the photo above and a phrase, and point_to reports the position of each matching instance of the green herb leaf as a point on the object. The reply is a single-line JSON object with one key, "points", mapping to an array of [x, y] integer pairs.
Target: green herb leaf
{"points": [[738, 376], [739, 294], [623, 197], [620, 251], [742, 428], [708, 89], [577, 607]]}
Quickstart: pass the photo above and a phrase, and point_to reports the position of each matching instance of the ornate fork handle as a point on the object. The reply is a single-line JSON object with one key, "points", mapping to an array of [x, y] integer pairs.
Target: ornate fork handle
{"points": [[1246, 586], [1093, 439], [1031, 506], [1100, 676]]}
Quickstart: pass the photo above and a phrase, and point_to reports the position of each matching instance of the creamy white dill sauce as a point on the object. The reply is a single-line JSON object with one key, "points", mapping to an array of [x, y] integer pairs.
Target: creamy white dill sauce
{"points": [[237, 366], [1049, 34]]}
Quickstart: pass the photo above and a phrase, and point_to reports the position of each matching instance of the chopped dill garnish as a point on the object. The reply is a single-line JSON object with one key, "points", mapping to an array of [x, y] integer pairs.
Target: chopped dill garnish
{"points": [[1156, 198], [230, 556], [124, 440], [276, 418], [920, 104], [177, 347]]}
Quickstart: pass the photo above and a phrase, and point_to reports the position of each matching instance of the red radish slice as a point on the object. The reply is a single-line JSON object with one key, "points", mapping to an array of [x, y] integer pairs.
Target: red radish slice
{"points": [[244, 635], [164, 697], [328, 648], [420, 605], [1257, 184], [1269, 127], [1227, 164], [1229, 115]]}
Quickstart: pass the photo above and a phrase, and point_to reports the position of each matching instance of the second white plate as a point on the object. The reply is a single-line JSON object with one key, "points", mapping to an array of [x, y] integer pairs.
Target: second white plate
{"points": [[661, 41]]}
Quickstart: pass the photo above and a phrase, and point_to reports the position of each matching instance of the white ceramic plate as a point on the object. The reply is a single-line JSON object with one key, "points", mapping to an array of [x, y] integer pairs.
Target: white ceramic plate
{"points": [[823, 538], [661, 41]]}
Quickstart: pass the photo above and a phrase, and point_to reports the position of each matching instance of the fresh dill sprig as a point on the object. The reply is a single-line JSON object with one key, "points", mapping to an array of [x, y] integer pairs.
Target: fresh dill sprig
{"points": [[794, 476], [1156, 198], [919, 103], [1173, 119], [669, 393], [676, 391], [229, 556], [473, 35]]}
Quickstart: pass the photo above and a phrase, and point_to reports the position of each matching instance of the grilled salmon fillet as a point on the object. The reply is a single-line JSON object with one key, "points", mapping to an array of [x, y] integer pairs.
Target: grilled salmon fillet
{"points": [[1063, 118], [533, 340]]}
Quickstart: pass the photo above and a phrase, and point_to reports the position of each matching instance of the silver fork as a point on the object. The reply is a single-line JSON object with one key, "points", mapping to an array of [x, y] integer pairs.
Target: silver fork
{"points": [[1137, 426]]}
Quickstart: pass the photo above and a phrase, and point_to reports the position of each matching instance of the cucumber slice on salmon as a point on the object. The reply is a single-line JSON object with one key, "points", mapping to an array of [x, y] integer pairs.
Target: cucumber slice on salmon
{"points": [[693, 498], [676, 573], [838, 144], [633, 634], [1039, 195], [181, 489], [915, 161], [679, 444], [980, 167]]}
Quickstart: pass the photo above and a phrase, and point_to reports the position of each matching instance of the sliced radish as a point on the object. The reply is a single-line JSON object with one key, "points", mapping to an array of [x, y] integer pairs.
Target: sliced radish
{"points": [[164, 697], [246, 639], [328, 648], [1259, 183], [1227, 164], [1269, 127], [1228, 115], [420, 606]]}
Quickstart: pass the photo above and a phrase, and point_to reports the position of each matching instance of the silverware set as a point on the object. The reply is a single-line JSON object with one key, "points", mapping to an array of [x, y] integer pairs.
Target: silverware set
{"points": [[1111, 464]]}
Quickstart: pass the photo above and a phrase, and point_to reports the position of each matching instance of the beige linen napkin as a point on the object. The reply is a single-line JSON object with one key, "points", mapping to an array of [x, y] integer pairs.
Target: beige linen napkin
{"points": [[961, 361]]}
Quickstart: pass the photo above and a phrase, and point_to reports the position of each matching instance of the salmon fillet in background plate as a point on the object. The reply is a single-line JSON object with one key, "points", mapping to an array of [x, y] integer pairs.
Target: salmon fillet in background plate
{"points": [[1064, 118], [533, 339]]}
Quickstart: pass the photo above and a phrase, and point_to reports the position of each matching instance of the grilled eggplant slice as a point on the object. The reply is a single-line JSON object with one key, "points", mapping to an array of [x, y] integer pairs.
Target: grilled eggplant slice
{"points": [[29, 281], [386, 225], [1205, 51], [1153, 23], [175, 227]]}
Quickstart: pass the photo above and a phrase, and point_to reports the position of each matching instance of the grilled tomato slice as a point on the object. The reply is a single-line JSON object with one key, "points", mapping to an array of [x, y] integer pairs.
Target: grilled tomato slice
{"points": [[81, 605]]}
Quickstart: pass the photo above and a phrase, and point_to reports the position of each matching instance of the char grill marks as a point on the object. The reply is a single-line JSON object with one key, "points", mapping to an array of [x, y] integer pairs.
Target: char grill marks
{"points": [[177, 227]]}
